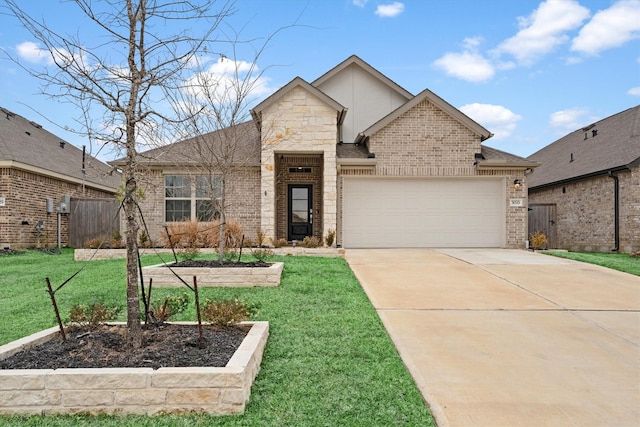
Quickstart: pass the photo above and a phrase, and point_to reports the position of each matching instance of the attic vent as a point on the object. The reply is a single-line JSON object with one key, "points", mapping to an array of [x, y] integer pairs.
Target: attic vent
{"points": [[594, 132], [571, 159], [27, 132], [62, 144]]}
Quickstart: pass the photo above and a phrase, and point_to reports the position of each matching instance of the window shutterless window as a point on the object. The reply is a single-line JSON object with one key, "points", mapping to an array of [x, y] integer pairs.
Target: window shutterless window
{"points": [[191, 199]]}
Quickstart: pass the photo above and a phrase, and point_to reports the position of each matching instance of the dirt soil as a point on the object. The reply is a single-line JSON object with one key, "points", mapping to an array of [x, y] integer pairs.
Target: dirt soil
{"points": [[216, 264], [104, 346]]}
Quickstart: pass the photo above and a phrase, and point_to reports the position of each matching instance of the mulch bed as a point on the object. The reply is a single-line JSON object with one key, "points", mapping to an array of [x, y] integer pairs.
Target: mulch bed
{"points": [[216, 264], [104, 346]]}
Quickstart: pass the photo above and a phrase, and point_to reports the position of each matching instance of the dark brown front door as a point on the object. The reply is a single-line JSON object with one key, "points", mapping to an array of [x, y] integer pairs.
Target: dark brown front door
{"points": [[300, 211]]}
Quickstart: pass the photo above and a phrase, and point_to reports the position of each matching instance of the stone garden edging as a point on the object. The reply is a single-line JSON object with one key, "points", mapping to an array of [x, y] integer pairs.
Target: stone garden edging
{"points": [[123, 391], [215, 276]]}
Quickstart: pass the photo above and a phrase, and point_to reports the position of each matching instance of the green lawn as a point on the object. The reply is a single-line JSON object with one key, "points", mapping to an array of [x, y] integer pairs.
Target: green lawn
{"points": [[328, 361], [616, 261]]}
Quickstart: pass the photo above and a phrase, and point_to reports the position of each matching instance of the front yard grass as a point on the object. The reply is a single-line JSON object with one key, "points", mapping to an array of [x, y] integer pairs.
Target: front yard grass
{"points": [[328, 360], [616, 261]]}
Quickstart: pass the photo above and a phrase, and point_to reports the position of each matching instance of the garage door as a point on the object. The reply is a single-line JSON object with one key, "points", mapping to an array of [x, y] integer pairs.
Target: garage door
{"points": [[465, 212]]}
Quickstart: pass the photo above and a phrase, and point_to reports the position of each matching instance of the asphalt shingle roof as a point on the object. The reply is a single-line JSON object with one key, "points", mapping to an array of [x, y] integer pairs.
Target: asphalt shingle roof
{"points": [[27, 142], [611, 143]]}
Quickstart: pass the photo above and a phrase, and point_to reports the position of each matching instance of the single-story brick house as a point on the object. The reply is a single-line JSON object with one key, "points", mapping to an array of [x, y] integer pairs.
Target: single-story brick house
{"points": [[586, 194], [356, 153], [38, 172]]}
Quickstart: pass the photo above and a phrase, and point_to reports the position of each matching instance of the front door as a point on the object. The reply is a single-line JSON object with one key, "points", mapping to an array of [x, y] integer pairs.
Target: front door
{"points": [[300, 211]]}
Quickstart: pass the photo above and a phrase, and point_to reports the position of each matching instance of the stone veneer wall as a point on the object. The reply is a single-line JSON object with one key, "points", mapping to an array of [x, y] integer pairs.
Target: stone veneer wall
{"points": [[25, 196], [427, 142], [585, 212], [243, 199], [298, 123]]}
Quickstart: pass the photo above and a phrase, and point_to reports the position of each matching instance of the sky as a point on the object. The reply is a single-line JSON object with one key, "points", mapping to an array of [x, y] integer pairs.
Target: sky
{"points": [[529, 71]]}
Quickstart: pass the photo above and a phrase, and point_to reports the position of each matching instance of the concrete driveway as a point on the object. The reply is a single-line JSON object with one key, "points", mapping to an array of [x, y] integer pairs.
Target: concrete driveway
{"points": [[497, 337]]}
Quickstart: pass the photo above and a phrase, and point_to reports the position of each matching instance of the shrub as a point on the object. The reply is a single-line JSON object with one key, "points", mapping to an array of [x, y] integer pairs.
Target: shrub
{"points": [[538, 240], [143, 239], [94, 243], [92, 315], [227, 312], [116, 240], [331, 237], [261, 254], [311, 242], [172, 304], [279, 243], [261, 239]]}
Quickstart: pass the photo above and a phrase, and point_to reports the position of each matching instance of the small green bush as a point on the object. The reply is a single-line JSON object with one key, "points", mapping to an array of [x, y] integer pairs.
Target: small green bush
{"points": [[172, 305], [227, 312], [331, 237], [92, 315], [261, 254]]}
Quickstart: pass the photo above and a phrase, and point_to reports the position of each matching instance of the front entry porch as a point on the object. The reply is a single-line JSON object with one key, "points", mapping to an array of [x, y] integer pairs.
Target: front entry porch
{"points": [[299, 191]]}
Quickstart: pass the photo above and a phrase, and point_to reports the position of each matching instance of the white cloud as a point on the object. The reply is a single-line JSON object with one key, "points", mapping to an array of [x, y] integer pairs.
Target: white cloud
{"points": [[635, 91], [609, 28], [498, 119], [469, 66], [544, 29], [32, 52], [569, 120], [390, 10]]}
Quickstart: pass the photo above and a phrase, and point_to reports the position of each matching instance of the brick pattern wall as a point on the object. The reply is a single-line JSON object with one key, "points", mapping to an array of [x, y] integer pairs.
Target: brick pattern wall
{"points": [[284, 178], [242, 199], [299, 123], [425, 142], [585, 212], [25, 196]]}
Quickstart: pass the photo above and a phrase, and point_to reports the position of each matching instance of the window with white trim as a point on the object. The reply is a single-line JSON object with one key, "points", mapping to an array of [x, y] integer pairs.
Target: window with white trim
{"points": [[188, 198]]}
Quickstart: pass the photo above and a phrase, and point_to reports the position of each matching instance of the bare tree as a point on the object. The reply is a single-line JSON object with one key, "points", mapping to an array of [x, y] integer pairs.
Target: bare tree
{"points": [[124, 84]]}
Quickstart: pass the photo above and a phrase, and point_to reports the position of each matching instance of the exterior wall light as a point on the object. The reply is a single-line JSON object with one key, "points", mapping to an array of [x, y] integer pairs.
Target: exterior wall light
{"points": [[517, 184]]}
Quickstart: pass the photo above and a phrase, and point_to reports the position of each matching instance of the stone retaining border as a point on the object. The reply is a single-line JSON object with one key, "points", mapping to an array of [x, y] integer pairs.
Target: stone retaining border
{"points": [[207, 276], [124, 391]]}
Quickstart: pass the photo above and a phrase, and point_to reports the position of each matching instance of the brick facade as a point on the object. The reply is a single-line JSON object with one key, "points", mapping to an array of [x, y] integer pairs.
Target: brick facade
{"points": [[427, 142], [242, 199], [585, 212], [25, 195]]}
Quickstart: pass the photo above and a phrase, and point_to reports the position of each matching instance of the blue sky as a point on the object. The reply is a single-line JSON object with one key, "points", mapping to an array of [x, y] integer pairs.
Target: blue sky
{"points": [[529, 71]]}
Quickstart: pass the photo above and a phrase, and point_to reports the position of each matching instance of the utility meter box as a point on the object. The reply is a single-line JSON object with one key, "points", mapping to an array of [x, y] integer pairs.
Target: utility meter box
{"points": [[50, 206], [65, 204]]}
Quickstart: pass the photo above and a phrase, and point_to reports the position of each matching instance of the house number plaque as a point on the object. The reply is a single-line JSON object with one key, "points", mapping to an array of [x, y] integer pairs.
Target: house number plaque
{"points": [[516, 203]]}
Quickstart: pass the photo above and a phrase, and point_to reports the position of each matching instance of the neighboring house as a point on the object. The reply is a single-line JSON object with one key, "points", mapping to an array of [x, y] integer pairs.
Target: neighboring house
{"points": [[38, 172], [586, 194], [355, 153]]}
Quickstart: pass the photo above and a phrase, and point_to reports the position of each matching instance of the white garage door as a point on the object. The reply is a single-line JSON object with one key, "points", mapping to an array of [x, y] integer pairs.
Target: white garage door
{"points": [[413, 213]]}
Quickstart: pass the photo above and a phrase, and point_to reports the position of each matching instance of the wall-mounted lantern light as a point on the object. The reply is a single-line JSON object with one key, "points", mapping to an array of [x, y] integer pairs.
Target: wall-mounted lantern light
{"points": [[517, 184]]}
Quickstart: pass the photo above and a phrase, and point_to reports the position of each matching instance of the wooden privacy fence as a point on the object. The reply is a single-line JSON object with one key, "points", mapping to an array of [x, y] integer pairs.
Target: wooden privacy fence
{"points": [[542, 218], [91, 219]]}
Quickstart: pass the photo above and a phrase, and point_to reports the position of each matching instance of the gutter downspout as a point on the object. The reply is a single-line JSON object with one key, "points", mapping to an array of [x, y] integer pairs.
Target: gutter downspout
{"points": [[616, 211]]}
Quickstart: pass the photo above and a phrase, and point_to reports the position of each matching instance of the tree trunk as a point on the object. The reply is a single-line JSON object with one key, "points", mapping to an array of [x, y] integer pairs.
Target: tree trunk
{"points": [[221, 237], [134, 330]]}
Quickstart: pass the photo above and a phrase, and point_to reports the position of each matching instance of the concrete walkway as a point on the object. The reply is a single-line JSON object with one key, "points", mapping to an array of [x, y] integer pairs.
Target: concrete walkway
{"points": [[497, 337]]}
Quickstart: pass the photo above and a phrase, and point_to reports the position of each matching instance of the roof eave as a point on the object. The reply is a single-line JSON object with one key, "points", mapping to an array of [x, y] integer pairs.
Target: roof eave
{"points": [[583, 177], [504, 164]]}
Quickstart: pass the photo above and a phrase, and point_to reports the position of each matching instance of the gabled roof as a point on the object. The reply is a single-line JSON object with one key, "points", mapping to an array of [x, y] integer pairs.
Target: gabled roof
{"points": [[27, 145], [241, 143], [353, 59], [256, 112], [440, 103], [610, 144]]}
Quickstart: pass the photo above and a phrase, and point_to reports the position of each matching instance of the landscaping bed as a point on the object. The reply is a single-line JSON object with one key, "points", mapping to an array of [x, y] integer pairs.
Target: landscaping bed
{"points": [[212, 273]]}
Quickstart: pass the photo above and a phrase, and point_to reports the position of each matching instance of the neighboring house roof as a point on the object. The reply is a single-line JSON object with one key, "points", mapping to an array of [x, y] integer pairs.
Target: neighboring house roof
{"points": [[201, 150], [353, 59], [439, 102], [27, 145], [610, 144], [256, 112]]}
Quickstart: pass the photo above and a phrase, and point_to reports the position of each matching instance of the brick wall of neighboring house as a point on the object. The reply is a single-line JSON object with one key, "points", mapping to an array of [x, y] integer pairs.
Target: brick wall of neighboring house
{"points": [[25, 196], [298, 123], [243, 200], [585, 212], [425, 142]]}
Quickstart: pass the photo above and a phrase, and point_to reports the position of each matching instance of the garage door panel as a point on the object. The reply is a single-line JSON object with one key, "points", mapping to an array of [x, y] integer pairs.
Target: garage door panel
{"points": [[423, 212]]}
